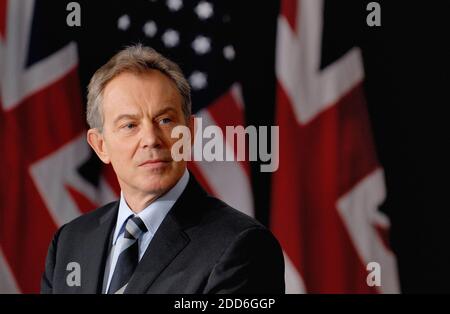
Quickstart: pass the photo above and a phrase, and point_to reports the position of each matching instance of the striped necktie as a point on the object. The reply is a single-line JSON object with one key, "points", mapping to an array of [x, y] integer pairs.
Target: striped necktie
{"points": [[129, 257]]}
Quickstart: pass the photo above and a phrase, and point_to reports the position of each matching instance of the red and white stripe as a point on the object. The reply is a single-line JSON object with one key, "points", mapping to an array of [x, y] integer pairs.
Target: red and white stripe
{"points": [[227, 180]]}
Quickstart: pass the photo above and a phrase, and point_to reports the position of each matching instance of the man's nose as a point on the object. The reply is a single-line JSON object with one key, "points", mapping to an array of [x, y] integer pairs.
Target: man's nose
{"points": [[151, 136]]}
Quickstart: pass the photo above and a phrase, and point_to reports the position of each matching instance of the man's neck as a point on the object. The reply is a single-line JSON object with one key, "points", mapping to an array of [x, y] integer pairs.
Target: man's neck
{"points": [[137, 200], [138, 203]]}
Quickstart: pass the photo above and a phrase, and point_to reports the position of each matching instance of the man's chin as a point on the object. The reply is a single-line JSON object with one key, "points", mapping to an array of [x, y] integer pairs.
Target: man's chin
{"points": [[158, 184]]}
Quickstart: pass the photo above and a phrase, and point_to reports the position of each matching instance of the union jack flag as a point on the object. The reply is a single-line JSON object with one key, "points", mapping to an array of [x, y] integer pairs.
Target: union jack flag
{"points": [[326, 193], [43, 143]]}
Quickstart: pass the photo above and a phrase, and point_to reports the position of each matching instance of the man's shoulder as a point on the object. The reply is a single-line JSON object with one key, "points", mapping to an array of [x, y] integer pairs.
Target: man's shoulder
{"points": [[221, 229], [207, 214], [218, 219], [223, 211], [91, 219]]}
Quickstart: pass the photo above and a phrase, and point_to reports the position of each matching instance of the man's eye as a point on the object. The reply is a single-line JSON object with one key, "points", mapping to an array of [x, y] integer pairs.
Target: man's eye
{"points": [[129, 126], [165, 121]]}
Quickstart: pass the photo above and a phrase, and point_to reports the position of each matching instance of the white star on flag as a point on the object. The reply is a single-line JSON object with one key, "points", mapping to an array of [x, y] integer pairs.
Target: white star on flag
{"points": [[204, 10], [198, 80], [123, 23], [171, 38], [201, 45], [174, 5], [150, 29], [229, 52]]}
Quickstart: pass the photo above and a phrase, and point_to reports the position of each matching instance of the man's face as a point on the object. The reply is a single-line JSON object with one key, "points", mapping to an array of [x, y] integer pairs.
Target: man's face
{"points": [[140, 111]]}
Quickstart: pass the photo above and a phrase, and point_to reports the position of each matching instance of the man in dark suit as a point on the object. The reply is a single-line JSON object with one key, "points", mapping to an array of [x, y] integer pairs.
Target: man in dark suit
{"points": [[164, 234]]}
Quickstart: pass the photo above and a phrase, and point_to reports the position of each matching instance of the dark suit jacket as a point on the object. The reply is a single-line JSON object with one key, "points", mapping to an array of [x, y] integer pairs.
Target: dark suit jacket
{"points": [[202, 246]]}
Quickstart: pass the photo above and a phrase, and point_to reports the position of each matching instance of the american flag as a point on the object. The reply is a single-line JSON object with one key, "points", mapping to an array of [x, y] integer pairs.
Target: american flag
{"points": [[325, 194]]}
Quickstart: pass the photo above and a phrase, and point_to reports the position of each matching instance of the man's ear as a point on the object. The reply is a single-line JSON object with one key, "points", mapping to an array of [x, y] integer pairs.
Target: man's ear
{"points": [[97, 142]]}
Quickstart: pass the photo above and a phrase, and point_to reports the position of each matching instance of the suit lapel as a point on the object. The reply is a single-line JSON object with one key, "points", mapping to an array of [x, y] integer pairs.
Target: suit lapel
{"points": [[98, 242], [169, 240]]}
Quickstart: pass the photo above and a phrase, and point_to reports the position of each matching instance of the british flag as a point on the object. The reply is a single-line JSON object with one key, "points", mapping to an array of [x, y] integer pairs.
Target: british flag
{"points": [[329, 185], [43, 144], [324, 196]]}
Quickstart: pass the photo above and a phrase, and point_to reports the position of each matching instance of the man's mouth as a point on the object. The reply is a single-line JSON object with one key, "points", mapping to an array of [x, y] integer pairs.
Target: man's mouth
{"points": [[154, 162]]}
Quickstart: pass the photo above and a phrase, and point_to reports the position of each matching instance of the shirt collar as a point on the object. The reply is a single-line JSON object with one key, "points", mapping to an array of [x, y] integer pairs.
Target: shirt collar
{"points": [[153, 214]]}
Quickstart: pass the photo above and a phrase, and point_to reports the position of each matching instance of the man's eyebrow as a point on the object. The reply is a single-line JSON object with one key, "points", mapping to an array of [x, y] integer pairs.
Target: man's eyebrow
{"points": [[136, 116], [125, 116], [164, 110]]}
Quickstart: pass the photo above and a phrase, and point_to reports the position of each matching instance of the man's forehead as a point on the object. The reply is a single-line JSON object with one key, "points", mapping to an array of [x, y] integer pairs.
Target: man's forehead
{"points": [[133, 90], [151, 80], [136, 111]]}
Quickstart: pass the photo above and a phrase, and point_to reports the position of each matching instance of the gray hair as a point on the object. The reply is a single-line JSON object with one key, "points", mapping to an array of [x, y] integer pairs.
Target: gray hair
{"points": [[135, 59]]}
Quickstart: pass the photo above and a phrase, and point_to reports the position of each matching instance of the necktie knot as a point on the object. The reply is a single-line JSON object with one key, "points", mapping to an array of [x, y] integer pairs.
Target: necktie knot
{"points": [[134, 228]]}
